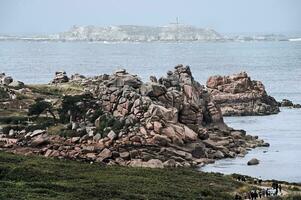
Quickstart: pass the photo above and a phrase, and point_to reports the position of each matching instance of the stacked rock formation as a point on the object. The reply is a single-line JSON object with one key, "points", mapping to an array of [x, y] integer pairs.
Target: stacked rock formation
{"points": [[60, 77], [168, 122], [239, 95]]}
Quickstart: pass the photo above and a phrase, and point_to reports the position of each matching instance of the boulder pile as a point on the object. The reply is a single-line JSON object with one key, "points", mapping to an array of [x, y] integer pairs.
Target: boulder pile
{"points": [[239, 95], [167, 122]]}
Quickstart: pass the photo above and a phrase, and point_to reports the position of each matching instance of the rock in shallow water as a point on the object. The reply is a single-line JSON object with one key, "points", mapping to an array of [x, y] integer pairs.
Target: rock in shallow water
{"points": [[239, 95], [253, 161], [288, 103]]}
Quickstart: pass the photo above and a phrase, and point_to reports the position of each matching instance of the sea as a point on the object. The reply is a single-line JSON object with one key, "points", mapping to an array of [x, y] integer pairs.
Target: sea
{"points": [[276, 64]]}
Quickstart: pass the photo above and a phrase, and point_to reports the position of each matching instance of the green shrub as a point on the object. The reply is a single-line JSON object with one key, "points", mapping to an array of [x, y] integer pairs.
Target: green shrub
{"points": [[293, 197], [21, 96], [3, 171], [33, 177], [75, 106], [40, 106], [46, 90], [43, 123], [71, 133], [3, 93], [56, 129], [289, 197], [19, 127], [13, 120], [95, 115], [294, 188], [107, 120]]}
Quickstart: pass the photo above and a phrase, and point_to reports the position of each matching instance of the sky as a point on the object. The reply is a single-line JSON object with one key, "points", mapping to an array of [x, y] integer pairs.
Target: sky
{"points": [[225, 16]]}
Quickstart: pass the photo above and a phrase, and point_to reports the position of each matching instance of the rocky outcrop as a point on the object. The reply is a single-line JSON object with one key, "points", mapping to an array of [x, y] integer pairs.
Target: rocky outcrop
{"points": [[289, 104], [60, 77], [9, 81], [8, 88], [167, 122], [5, 80], [77, 77], [239, 95]]}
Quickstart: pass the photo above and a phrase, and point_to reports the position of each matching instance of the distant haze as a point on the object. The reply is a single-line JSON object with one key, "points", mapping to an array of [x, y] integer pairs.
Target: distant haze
{"points": [[225, 16]]}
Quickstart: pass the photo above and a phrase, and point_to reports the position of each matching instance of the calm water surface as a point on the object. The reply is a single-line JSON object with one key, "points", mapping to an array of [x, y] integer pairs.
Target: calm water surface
{"points": [[282, 160], [276, 64]]}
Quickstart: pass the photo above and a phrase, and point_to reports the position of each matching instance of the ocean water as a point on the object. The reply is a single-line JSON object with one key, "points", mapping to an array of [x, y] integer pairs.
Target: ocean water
{"points": [[280, 161], [276, 64]]}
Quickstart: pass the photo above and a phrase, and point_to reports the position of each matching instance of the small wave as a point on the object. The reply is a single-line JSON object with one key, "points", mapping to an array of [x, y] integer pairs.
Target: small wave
{"points": [[295, 40]]}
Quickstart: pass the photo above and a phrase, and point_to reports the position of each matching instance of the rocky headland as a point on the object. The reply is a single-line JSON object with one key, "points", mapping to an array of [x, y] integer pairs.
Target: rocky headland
{"points": [[117, 119], [238, 95]]}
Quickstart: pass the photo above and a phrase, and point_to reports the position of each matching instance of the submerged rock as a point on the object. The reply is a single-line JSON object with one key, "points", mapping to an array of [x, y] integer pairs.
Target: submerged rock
{"points": [[253, 161], [239, 95], [288, 103]]}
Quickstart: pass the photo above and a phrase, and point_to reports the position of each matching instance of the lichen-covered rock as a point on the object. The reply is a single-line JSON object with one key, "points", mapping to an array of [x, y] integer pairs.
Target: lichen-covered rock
{"points": [[239, 95]]}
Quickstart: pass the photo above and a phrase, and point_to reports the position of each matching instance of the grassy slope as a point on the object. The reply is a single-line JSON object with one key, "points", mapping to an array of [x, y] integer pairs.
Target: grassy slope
{"points": [[39, 178], [56, 90]]}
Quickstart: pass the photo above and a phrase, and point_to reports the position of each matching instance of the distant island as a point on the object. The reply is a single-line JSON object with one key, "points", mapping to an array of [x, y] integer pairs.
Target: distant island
{"points": [[172, 32], [132, 33]]}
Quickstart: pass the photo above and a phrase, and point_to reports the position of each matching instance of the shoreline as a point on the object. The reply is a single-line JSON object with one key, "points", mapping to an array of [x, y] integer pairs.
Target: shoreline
{"points": [[47, 144], [278, 160]]}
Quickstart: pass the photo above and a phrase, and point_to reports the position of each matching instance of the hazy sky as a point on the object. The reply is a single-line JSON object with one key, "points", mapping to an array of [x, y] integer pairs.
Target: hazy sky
{"points": [[42, 16]]}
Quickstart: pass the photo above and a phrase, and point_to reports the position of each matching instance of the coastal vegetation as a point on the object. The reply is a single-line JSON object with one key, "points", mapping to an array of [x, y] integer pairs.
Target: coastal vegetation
{"points": [[40, 178], [34, 177]]}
